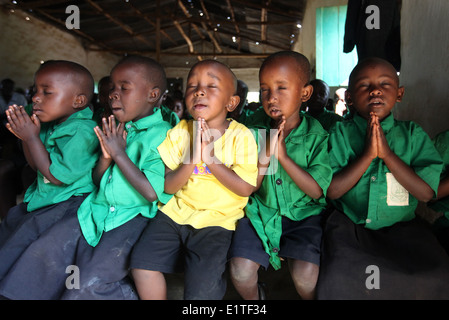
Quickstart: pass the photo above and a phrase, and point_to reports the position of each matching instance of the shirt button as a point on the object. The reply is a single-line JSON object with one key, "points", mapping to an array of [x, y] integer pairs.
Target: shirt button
{"points": [[275, 250], [112, 209], [373, 178], [128, 126], [368, 220], [279, 181]]}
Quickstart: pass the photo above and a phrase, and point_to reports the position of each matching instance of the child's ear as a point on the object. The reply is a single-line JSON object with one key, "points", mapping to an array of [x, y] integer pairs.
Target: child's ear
{"points": [[306, 93], [400, 94], [80, 101], [233, 103], [154, 95]]}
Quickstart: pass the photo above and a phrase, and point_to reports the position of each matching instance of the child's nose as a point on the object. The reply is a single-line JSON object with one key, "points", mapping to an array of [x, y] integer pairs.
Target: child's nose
{"points": [[199, 92], [113, 95], [375, 90], [35, 98], [271, 97]]}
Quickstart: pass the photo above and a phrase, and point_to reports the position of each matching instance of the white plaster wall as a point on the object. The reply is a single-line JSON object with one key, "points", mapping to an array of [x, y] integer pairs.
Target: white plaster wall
{"points": [[25, 43], [425, 64]]}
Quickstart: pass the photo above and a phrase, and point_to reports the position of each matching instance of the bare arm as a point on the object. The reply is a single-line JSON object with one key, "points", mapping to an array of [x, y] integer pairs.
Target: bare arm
{"points": [[113, 142], [443, 188], [225, 175], [176, 179], [135, 177], [230, 179], [403, 173], [300, 177], [377, 146], [28, 156], [348, 177]]}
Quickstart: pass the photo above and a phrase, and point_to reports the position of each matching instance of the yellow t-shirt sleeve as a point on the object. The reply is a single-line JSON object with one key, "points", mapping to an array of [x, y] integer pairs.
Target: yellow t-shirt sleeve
{"points": [[245, 165], [172, 149]]}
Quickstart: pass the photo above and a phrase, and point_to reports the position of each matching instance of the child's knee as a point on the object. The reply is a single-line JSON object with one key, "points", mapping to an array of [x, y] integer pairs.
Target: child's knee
{"points": [[304, 273], [242, 269]]}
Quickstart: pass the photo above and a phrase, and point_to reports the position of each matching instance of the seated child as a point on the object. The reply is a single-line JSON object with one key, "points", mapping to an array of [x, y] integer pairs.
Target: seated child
{"points": [[283, 216], [60, 144], [373, 245], [211, 170], [130, 174], [316, 105], [441, 203]]}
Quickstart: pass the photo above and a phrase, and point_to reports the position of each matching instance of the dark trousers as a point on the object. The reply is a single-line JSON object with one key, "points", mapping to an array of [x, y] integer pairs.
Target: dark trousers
{"points": [[45, 269]]}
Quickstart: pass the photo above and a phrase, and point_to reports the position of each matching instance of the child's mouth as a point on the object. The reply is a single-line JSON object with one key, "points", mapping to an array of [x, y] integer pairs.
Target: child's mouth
{"points": [[376, 103], [275, 112], [199, 106]]}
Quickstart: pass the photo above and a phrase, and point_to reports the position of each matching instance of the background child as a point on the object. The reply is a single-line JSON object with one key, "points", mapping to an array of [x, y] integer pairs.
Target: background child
{"points": [[59, 142], [373, 247], [284, 214], [316, 105], [211, 169], [131, 178]]}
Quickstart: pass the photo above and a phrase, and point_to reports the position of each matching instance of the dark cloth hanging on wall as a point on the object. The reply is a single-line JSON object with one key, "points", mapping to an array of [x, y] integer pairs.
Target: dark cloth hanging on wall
{"points": [[384, 42]]}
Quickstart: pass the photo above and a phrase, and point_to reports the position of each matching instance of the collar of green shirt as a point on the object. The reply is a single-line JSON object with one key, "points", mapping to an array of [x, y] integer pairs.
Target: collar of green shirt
{"points": [[86, 113], [145, 122]]}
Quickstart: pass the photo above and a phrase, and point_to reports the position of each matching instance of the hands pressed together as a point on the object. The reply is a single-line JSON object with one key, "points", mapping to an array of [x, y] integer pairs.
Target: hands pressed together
{"points": [[21, 124], [203, 147], [112, 137], [376, 143], [276, 144]]}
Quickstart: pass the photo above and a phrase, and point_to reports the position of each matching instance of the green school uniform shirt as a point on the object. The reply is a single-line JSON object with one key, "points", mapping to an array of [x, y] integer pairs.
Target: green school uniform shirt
{"points": [[280, 197], [73, 149], [169, 115], [441, 142], [116, 202], [378, 200], [255, 118], [328, 118]]}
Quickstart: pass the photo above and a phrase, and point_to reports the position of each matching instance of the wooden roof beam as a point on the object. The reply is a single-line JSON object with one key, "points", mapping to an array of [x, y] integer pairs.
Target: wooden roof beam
{"points": [[155, 25], [117, 22], [209, 32], [270, 9], [236, 26], [185, 36], [263, 20], [188, 15]]}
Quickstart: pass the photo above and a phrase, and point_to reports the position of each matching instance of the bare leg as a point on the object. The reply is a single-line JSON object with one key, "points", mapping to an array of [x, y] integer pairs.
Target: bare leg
{"points": [[305, 277], [244, 277], [150, 285]]}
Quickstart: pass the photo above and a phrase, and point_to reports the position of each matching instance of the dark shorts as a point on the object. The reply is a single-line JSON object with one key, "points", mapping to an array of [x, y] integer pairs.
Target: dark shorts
{"points": [[21, 228], [201, 254], [42, 269], [300, 240], [403, 261]]}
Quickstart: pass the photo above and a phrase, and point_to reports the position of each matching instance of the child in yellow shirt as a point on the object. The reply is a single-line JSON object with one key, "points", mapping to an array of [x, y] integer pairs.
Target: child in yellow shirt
{"points": [[211, 168]]}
